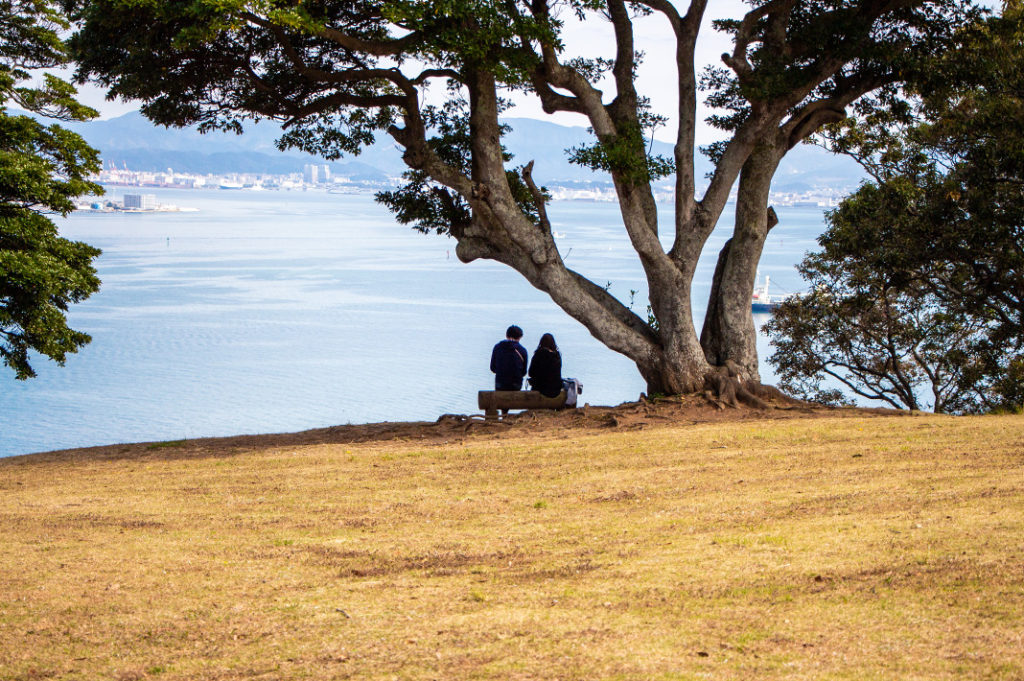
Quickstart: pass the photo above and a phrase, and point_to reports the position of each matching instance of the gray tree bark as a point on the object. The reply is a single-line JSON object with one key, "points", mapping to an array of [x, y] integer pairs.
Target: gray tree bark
{"points": [[728, 337]]}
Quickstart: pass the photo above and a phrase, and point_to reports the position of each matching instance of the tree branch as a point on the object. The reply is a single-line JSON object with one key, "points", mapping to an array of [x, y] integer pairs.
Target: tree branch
{"points": [[436, 73], [376, 48], [338, 99], [737, 61], [538, 197], [551, 73], [686, 30], [625, 56]]}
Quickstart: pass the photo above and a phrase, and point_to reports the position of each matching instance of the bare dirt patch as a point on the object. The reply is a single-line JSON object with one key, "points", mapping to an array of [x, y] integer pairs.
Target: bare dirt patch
{"points": [[456, 428]]}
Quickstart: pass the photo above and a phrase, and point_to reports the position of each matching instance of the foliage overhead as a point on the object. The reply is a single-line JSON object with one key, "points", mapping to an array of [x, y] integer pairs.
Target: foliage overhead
{"points": [[42, 169]]}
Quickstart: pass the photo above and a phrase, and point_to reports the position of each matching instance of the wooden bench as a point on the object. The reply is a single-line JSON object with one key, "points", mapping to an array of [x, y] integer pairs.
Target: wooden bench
{"points": [[493, 400]]}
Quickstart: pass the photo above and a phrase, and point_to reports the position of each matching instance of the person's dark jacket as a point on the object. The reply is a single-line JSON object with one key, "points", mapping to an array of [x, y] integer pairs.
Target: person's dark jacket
{"points": [[508, 362], [546, 372]]}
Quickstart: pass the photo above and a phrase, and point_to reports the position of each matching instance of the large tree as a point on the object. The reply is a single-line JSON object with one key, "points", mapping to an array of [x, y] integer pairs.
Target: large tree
{"points": [[918, 291], [338, 73], [42, 169]]}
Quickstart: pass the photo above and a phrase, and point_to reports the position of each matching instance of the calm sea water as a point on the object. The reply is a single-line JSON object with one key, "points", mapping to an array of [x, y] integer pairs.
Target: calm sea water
{"points": [[281, 311]]}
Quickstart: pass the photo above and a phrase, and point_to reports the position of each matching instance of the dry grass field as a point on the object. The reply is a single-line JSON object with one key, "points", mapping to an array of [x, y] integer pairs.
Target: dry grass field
{"points": [[826, 548]]}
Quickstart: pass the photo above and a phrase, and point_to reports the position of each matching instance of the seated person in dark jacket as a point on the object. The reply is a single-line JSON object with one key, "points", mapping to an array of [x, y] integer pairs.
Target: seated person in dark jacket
{"points": [[508, 361], [546, 368]]}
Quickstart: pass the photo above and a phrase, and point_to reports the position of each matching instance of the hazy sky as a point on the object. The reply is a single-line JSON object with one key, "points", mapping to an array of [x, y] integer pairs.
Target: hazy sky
{"points": [[656, 76]]}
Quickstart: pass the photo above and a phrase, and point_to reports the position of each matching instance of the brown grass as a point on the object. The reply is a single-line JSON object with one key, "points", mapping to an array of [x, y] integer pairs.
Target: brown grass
{"points": [[846, 548]]}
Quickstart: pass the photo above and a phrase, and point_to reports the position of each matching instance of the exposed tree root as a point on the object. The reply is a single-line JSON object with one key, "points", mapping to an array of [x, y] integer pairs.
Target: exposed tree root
{"points": [[725, 387]]}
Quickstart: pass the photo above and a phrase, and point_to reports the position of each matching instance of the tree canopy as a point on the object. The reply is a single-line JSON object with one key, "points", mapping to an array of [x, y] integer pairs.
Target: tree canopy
{"points": [[42, 169], [919, 289], [337, 74]]}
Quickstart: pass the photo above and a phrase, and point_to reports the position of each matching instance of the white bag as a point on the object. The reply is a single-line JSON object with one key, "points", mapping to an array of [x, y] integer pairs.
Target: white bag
{"points": [[572, 388]]}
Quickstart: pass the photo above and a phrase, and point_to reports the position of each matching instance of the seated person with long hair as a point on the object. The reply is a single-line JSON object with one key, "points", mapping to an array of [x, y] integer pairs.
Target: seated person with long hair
{"points": [[546, 368]]}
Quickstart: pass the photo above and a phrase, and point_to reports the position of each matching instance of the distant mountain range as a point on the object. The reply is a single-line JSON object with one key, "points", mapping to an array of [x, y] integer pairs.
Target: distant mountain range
{"points": [[132, 140]]}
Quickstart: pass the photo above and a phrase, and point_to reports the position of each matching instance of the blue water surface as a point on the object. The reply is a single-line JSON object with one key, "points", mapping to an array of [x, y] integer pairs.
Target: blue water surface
{"points": [[287, 310]]}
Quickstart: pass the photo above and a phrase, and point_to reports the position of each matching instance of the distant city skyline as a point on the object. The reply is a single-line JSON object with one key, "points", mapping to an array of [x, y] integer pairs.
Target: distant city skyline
{"points": [[319, 176]]}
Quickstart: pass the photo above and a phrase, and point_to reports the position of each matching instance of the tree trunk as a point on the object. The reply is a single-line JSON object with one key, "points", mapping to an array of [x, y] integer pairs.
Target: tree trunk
{"points": [[678, 366], [728, 337], [679, 372]]}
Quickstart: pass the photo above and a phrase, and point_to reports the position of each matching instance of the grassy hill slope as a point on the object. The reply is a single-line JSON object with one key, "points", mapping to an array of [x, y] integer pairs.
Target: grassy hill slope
{"points": [[830, 548]]}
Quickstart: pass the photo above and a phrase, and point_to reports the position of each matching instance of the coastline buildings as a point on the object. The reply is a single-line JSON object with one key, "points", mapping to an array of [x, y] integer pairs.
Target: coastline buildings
{"points": [[313, 176], [316, 173], [131, 203], [140, 201], [319, 176]]}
